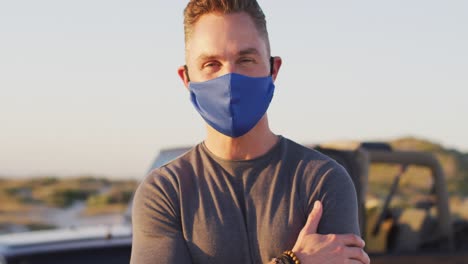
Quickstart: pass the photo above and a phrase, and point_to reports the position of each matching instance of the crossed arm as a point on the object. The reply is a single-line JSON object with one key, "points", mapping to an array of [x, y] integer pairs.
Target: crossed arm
{"points": [[313, 248], [158, 238], [310, 247]]}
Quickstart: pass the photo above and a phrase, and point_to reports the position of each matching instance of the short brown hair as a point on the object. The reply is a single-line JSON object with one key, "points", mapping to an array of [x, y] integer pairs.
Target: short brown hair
{"points": [[197, 8]]}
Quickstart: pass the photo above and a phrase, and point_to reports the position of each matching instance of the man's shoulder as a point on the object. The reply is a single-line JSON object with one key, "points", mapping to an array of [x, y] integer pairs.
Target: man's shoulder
{"points": [[306, 154], [180, 160], [176, 166], [310, 162], [174, 161]]}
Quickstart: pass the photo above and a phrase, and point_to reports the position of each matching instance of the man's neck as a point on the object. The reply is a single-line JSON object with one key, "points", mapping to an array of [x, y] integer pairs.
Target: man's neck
{"points": [[255, 143]]}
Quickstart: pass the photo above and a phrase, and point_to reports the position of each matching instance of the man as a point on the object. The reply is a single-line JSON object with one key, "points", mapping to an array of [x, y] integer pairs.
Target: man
{"points": [[244, 195]]}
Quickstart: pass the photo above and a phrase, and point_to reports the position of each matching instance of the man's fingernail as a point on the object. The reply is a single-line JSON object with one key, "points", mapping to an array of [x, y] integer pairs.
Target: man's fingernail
{"points": [[316, 205]]}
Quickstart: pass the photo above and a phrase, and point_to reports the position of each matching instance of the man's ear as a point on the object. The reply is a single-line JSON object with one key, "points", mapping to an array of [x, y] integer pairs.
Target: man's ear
{"points": [[183, 74], [275, 66]]}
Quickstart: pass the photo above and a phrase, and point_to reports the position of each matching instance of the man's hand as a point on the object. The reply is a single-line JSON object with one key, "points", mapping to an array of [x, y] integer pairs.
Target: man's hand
{"points": [[313, 248]]}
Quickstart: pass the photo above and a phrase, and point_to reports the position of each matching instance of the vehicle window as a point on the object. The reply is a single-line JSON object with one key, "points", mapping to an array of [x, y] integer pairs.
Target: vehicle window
{"points": [[400, 208]]}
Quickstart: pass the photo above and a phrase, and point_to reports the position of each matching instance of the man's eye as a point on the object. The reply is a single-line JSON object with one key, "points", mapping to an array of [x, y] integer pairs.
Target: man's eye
{"points": [[246, 60], [210, 64]]}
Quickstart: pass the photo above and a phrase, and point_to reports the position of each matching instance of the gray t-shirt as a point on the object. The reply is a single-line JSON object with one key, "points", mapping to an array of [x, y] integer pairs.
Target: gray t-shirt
{"points": [[200, 208]]}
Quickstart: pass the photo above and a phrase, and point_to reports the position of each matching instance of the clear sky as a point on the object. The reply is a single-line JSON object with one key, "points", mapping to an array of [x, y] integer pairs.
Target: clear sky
{"points": [[91, 86]]}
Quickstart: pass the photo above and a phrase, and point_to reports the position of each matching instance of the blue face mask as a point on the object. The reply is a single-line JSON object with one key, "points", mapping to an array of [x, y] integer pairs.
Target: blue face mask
{"points": [[233, 103]]}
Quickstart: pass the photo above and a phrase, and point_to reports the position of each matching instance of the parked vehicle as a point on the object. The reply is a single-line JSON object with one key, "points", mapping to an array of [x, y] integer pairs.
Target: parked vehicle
{"points": [[419, 229]]}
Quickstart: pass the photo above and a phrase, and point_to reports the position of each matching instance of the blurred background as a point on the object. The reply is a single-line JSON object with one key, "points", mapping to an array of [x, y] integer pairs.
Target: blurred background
{"points": [[89, 94]]}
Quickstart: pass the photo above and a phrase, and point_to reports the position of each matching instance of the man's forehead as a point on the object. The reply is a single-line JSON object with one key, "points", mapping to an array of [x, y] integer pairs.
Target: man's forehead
{"points": [[224, 34]]}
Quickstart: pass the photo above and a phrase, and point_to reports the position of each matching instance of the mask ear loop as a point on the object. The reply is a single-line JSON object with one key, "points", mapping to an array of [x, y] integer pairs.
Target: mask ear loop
{"points": [[186, 73], [272, 63]]}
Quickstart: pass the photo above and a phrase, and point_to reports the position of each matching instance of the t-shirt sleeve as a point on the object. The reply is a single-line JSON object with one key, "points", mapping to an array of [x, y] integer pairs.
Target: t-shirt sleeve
{"points": [[337, 193], [157, 234]]}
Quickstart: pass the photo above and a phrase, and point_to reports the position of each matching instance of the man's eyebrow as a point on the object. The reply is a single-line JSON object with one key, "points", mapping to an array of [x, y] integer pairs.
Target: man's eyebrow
{"points": [[205, 57], [249, 51]]}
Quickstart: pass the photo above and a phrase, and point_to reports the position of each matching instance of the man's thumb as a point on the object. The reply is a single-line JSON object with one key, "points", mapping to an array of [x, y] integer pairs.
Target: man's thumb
{"points": [[314, 218]]}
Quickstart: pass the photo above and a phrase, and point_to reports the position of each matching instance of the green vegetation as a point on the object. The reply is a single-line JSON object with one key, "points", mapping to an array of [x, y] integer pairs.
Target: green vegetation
{"points": [[115, 200], [23, 199], [63, 192]]}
